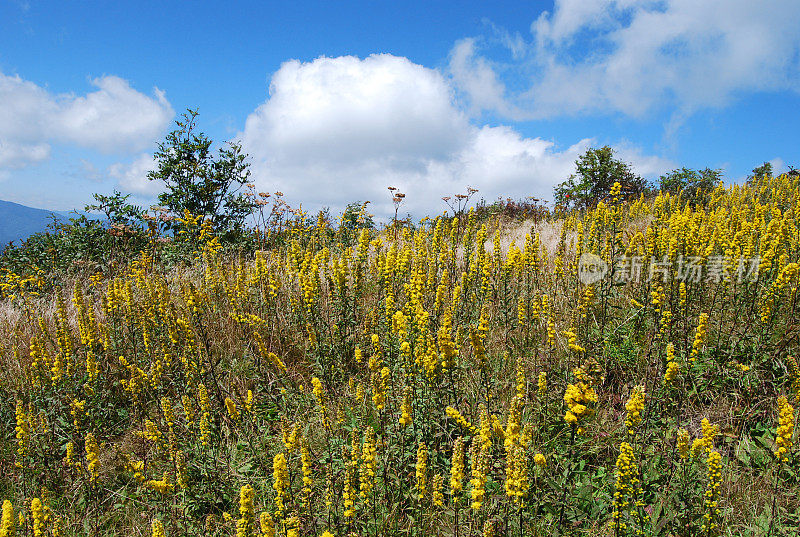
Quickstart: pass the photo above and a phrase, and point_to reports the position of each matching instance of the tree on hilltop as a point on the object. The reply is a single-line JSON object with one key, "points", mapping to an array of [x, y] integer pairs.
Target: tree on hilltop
{"points": [[198, 181], [693, 185], [596, 172]]}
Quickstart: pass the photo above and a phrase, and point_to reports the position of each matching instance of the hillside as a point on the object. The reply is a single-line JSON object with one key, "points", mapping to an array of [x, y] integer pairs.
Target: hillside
{"points": [[18, 222], [624, 370]]}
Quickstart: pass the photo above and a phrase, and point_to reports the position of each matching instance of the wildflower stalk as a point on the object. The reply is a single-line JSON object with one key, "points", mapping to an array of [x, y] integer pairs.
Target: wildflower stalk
{"points": [[567, 477]]}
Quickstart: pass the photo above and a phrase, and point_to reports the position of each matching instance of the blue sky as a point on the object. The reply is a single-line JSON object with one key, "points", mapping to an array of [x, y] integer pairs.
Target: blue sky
{"points": [[335, 101]]}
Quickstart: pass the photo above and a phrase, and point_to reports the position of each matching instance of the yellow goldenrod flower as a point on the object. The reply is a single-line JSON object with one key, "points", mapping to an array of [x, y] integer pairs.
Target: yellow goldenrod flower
{"points": [[672, 366], [248, 405], [163, 486], [714, 482], [457, 468], [683, 443], [580, 399], [379, 386], [267, 525], [542, 383], [188, 410], [280, 476], [627, 488], [705, 443], [92, 457], [522, 383], [479, 461], [671, 372], [230, 406], [180, 469], [405, 409], [634, 408], [682, 295], [292, 526], [572, 342], [455, 415], [551, 333], [699, 337], [158, 529], [785, 431], [437, 498], [477, 338], [205, 414], [37, 516], [7, 528], [23, 432], [290, 433], [368, 465], [245, 526], [348, 491], [486, 428], [308, 481], [422, 469], [794, 375], [319, 395], [516, 485]]}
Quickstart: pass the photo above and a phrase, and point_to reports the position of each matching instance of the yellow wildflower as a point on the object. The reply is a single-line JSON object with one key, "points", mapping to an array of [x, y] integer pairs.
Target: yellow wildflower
{"points": [[245, 527], [405, 409], [683, 443], [7, 528], [714, 481], [37, 515], [542, 383], [92, 457], [280, 475], [422, 469], [785, 431], [457, 468], [230, 406], [634, 408], [158, 529]]}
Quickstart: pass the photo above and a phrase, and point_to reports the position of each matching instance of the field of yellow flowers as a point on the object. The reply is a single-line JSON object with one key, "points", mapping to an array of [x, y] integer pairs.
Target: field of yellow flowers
{"points": [[628, 370]]}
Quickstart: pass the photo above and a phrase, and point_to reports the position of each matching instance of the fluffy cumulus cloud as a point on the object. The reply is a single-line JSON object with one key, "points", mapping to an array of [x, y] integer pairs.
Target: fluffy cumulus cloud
{"points": [[343, 109], [114, 118], [637, 56], [337, 130], [132, 176]]}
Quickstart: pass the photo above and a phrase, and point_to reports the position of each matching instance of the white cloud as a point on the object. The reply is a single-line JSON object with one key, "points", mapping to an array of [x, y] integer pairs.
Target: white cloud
{"points": [[636, 56], [114, 118], [132, 176], [778, 165], [14, 155], [475, 75], [644, 165], [341, 109], [337, 130], [24, 105]]}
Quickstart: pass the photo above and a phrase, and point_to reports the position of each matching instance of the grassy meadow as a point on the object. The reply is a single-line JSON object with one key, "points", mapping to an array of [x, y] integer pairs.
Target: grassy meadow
{"points": [[457, 376]]}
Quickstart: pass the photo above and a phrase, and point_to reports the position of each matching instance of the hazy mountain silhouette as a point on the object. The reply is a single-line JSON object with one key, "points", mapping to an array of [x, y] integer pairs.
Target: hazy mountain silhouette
{"points": [[18, 222]]}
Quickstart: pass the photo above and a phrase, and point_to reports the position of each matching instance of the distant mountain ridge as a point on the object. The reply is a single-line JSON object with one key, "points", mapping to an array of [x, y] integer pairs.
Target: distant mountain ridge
{"points": [[18, 222]]}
